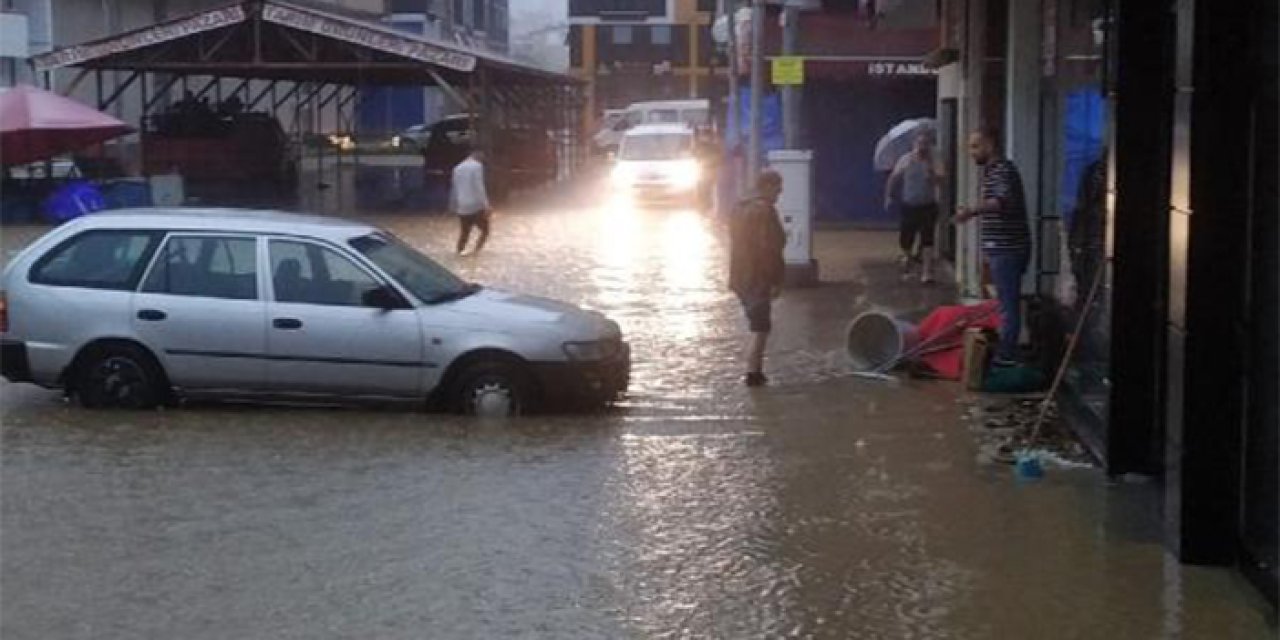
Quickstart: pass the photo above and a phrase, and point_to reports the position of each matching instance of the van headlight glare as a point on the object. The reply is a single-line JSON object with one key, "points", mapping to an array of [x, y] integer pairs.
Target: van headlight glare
{"points": [[591, 349], [686, 174]]}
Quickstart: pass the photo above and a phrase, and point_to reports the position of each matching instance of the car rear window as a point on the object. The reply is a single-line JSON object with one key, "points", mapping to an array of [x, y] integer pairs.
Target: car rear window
{"points": [[103, 259]]}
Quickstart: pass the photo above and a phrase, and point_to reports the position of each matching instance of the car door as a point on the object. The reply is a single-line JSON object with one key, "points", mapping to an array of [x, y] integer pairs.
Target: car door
{"points": [[201, 309], [323, 339]]}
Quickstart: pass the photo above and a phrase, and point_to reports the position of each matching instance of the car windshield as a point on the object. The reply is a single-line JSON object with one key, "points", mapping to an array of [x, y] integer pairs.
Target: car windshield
{"points": [[428, 281], [659, 146]]}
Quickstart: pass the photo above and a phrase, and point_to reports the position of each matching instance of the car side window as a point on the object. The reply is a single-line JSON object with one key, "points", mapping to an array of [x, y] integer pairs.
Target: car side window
{"points": [[311, 274], [97, 260], [204, 266]]}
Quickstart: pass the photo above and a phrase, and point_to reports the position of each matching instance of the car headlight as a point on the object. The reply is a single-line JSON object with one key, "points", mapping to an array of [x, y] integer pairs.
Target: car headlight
{"points": [[591, 350], [686, 174], [621, 175]]}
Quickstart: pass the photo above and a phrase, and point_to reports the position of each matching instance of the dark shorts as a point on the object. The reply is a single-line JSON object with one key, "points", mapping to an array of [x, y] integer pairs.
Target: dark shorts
{"points": [[918, 221], [758, 307]]}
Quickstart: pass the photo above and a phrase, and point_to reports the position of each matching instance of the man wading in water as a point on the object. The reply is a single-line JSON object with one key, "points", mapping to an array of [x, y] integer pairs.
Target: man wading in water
{"points": [[756, 266]]}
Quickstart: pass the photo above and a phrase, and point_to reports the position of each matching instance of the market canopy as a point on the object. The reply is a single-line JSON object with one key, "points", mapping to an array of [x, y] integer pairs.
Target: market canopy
{"points": [[281, 40], [37, 125]]}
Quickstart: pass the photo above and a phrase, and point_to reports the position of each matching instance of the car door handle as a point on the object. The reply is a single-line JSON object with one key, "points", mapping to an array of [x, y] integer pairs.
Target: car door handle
{"points": [[287, 323], [152, 315]]}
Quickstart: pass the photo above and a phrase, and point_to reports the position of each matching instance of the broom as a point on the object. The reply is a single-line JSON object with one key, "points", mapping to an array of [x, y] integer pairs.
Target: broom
{"points": [[1066, 357]]}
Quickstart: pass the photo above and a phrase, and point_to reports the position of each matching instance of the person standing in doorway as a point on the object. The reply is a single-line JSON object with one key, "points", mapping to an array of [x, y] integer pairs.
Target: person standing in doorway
{"points": [[471, 200], [756, 266], [1005, 235], [914, 185]]}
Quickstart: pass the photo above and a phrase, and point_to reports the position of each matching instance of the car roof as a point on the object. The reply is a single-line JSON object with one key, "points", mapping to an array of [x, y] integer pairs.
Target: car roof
{"points": [[225, 219], [660, 129], [670, 104]]}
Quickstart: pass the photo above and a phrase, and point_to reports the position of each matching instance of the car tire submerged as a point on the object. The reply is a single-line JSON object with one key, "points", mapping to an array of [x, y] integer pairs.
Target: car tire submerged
{"points": [[494, 389], [119, 376]]}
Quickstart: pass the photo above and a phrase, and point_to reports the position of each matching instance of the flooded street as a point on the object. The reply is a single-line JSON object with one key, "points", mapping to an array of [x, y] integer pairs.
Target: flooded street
{"points": [[823, 506]]}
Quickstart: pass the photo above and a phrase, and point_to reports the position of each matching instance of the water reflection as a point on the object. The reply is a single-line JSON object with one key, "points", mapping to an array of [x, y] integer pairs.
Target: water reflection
{"points": [[819, 507]]}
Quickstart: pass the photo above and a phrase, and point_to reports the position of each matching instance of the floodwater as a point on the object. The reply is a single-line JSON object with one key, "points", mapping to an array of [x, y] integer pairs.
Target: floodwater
{"points": [[823, 506]]}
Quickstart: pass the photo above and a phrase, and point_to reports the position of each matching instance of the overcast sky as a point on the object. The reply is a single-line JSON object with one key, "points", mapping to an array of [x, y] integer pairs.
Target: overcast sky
{"points": [[530, 15]]}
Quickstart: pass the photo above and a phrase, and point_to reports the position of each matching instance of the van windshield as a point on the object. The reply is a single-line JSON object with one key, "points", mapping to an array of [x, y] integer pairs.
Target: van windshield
{"points": [[657, 146], [664, 116]]}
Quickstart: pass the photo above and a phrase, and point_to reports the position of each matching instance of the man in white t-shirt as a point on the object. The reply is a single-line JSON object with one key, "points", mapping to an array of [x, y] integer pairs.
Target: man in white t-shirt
{"points": [[470, 200]]}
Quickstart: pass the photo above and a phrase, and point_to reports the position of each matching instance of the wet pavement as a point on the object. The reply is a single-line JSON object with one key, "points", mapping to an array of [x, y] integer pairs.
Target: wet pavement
{"points": [[824, 506]]}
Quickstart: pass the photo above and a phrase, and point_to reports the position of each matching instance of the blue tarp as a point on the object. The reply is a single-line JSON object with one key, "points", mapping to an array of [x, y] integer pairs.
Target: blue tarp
{"points": [[771, 135], [1083, 123], [72, 200]]}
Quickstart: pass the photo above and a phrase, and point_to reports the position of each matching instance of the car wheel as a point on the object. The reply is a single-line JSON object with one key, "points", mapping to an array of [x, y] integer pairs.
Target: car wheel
{"points": [[120, 377], [494, 390]]}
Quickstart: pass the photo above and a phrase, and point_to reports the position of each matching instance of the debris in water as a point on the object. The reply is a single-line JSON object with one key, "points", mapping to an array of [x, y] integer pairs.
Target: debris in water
{"points": [[1003, 428]]}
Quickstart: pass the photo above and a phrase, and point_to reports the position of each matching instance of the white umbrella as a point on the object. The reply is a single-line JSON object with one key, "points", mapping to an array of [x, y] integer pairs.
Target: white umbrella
{"points": [[899, 141]]}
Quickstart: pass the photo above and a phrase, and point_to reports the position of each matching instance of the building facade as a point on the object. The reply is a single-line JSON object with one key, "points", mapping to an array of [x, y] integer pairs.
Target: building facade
{"points": [[634, 50], [1146, 135], [474, 23]]}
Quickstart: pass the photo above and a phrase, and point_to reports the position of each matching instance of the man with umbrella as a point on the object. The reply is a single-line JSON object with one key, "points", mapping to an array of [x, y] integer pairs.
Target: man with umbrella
{"points": [[915, 185]]}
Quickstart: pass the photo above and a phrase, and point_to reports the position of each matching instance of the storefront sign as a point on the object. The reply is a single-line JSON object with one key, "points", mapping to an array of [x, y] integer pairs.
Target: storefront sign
{"points": [[158, 34], [899, 69], [347, 31], [788, 70]]}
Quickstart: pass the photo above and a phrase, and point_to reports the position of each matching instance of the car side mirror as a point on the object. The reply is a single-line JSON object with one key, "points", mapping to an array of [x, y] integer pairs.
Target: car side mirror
{"points": [[381, 298]]}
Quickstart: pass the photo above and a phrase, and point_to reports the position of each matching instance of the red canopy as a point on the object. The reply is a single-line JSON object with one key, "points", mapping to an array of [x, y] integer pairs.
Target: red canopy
{"points": [[37, 125]]}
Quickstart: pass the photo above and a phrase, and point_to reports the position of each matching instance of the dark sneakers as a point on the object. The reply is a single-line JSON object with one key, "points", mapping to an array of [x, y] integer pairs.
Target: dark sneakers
{"points": [[755, 379]]}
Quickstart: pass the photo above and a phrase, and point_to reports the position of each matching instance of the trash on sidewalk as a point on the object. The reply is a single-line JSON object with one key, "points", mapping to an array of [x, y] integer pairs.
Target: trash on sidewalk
{"points": [[1003, 427]]}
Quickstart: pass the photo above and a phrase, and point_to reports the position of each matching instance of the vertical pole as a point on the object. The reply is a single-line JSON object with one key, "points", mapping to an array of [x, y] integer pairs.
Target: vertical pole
{"points": [[791, 93], [695, 65], [142, 125], [733, 118], [757, 87]]}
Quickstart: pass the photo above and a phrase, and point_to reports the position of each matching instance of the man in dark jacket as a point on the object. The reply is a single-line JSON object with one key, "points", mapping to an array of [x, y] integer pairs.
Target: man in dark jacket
{"points": [[756, 266]]}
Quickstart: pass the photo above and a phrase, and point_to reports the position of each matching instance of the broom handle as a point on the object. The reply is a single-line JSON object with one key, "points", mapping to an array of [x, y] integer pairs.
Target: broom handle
{"points": [[1066, 356]]}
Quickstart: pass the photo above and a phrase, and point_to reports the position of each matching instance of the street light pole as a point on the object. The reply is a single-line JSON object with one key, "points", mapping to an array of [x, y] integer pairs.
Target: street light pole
{"points": [[757, 88], [734, 120], [790, 93]]}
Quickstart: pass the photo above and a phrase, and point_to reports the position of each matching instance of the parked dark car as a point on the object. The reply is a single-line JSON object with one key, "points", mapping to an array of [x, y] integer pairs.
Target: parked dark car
{"points": [[522, 156]]}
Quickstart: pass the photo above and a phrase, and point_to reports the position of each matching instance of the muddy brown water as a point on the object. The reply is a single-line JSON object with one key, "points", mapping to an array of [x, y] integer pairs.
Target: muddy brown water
{"points": [[823, 506]]}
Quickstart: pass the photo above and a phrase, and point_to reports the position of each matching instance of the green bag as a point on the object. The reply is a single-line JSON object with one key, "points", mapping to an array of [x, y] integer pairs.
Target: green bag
{"points": [[1018, 379]]}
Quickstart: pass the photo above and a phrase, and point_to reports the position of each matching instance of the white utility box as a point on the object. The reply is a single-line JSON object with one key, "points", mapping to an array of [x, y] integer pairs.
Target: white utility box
{"points": [[795, 207], [167, 191]]}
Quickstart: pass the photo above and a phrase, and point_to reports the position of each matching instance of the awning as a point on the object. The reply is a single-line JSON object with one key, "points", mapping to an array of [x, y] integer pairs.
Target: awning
{"points": [[278, 39]]}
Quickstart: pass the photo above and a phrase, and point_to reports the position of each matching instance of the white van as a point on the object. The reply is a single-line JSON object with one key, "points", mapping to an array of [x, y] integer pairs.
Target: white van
{"points": [[659, 162], [693, 113]]}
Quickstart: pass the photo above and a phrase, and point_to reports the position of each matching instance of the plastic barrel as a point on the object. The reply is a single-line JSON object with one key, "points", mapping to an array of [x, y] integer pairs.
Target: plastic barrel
{"points": [[874, 340]]}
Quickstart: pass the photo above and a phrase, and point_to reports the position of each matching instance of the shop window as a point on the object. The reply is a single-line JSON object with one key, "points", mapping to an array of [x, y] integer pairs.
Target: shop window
{"points": [[623, 34], [660, 35]]}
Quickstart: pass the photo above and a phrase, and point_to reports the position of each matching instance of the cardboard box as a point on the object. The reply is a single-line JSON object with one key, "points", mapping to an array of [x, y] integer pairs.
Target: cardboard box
{"points": [[977, 352]]}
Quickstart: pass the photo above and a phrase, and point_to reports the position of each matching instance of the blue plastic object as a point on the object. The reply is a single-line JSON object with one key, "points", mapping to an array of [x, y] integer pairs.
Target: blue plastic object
{"points": [[1028, 466], [125, 194], [72, 200]]}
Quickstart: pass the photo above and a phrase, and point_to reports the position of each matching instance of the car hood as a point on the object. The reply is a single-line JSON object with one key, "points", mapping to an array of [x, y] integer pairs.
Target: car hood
{"points": [[512, 311]]}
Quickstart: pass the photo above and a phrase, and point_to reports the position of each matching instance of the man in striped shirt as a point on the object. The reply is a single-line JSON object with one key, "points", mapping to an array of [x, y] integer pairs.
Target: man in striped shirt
{"points": [[1005, 235]]}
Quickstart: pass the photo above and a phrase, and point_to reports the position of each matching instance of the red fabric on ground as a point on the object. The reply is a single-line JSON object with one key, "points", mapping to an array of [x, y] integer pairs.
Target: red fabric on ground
{"points": [[944, 328]]}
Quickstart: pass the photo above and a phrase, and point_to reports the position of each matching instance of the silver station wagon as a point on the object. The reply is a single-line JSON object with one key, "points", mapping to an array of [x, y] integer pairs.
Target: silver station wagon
{"points": [[134, 308]]}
